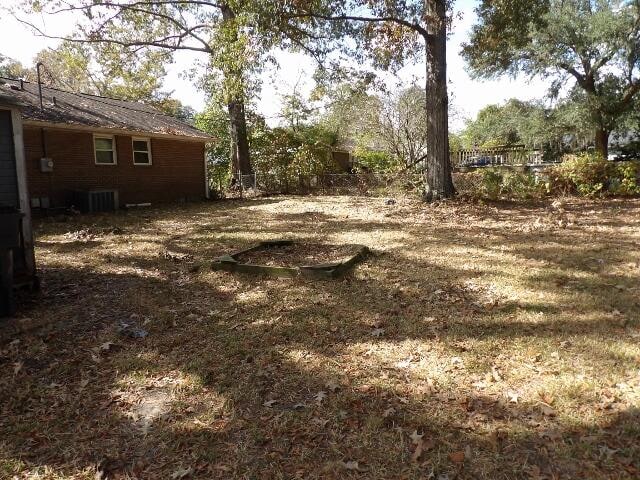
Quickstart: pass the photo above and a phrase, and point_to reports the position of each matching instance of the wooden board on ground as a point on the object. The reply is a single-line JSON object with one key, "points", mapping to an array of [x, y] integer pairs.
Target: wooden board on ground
{"points": [[285, 258]]}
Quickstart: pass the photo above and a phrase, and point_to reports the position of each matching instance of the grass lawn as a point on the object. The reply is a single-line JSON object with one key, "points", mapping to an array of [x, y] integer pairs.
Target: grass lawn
{"points": [[497, 341]]}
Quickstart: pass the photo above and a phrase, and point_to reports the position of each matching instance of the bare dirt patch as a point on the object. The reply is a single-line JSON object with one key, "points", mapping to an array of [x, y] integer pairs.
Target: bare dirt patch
{"points": [[299, 254]]}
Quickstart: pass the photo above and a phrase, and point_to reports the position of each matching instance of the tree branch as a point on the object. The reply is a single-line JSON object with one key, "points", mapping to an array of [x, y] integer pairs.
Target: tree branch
{"points": [[314, 54], [629, 94], [135, 4], [136, 43], [136, 7], [357, 18], [582, 81], [603, 61], [168, 18]]}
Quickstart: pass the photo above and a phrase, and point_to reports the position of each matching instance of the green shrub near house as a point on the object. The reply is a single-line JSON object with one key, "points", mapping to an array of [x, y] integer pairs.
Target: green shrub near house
{"points": [[374, 161]]}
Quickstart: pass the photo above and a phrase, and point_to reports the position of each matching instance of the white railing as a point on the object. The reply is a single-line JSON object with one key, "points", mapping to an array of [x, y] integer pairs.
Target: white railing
{"points": [[516, 155]]}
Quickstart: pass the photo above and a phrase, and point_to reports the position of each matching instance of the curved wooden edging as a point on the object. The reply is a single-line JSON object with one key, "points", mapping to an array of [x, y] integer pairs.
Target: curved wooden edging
{"points": [[230, 263]]}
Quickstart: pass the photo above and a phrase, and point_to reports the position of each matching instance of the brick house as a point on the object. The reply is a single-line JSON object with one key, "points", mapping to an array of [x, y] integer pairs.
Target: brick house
{"points": [[85, 150]]}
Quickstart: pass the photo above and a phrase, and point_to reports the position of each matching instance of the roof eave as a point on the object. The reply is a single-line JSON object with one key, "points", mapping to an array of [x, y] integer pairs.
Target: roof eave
{"points": [[11, 102], [116, 131]]}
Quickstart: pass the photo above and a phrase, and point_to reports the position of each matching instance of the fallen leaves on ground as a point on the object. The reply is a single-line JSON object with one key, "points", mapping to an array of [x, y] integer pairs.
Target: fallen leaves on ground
{"points": [[478, 341]]}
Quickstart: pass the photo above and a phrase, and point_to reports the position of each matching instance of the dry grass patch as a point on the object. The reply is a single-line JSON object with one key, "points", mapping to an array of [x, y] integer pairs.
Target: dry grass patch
{"points": [[491, 341]]}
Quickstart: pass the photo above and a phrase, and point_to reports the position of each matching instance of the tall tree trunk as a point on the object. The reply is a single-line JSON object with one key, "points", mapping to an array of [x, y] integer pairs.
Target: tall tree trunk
{"points": [[438, 180], [240, 155], [602, 142]]}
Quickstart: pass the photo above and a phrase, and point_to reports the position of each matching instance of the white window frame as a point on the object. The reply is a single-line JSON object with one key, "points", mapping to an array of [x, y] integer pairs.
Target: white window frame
{"points": [[148, 152], [113, 146]]}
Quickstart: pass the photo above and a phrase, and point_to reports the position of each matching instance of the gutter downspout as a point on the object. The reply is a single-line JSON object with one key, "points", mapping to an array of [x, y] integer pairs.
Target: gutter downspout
{"points": [[39, 65], [206, 174]]}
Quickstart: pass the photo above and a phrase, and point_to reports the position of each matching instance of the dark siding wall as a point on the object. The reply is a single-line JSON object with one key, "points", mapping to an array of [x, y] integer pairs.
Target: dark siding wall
{"points": [[343, 159], [8, 177], [177, 171]]}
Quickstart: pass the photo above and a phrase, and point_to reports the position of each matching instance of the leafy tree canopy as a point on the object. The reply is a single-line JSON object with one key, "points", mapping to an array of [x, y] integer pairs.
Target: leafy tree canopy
{"points": [[555, 130], [515, 122], [594, 42], [10, 68], [106, 70]]}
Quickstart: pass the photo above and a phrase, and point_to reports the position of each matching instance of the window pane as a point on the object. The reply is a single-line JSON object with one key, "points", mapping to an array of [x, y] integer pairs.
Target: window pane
{"points": [[140, 157], [104, 157], [104, 144], [140, 146]]}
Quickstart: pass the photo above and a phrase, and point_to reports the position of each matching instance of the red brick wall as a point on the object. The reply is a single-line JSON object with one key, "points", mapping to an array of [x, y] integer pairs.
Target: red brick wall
{"points": [[176, 173]]}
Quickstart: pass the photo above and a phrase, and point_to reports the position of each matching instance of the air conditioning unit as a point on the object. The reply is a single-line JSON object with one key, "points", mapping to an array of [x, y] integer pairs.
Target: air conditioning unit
{"points": [[96, 200]]}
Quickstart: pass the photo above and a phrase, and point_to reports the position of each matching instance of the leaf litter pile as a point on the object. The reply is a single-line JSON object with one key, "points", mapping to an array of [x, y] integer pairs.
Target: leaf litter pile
{"points": [[496, 341], [299, 254]]}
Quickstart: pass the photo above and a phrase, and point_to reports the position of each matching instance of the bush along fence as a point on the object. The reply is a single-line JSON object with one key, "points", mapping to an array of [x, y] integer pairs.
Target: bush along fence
{"points": [[584, 175]]}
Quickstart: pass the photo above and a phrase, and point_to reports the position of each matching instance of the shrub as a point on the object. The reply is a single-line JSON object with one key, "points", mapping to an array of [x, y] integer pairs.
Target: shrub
{"points": [[586, 174], [589, 174], [374, 161], [522, 185], [494, 183], [491, 183], [288, 154], [624, 180]]}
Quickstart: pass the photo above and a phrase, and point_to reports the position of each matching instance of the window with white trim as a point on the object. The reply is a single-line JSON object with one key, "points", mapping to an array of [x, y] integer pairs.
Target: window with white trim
{"points": [[141, 151], [105, 149]]}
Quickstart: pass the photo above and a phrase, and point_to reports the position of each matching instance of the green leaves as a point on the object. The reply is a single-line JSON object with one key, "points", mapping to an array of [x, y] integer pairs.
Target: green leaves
{"points": [[501, 35], [594, 43], [10, 68], [542, 36], [105, 69], [512, 123]]}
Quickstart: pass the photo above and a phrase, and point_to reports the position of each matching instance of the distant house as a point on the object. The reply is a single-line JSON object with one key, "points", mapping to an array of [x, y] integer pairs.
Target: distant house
{"points": [[100, 153]]}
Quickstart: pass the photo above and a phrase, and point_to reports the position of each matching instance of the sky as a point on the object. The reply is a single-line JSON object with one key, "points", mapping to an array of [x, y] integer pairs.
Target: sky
{"points": [[469, 96]]}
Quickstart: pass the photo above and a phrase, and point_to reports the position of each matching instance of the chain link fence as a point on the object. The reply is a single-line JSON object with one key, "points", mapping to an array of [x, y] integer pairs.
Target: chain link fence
{"points": [[366, 184], [467, 183], [328, 184]]}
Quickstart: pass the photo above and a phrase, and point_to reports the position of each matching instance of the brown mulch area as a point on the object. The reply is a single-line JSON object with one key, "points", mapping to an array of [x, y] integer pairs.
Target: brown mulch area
{"points": [[299, 254]]}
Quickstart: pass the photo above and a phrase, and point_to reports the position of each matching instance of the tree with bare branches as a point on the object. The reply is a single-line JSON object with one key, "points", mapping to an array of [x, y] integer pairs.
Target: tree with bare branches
{"points": [[388, 34]]}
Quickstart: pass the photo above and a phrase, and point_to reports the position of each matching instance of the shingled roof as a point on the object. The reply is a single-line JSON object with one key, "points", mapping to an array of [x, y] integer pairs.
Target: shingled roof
{"points": [[63, 108]]}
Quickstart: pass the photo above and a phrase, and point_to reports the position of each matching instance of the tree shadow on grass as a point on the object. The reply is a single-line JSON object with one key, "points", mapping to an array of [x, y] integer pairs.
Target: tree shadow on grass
{"points": [[242, 361], [227, 383], [68, 247], [221, 428]]}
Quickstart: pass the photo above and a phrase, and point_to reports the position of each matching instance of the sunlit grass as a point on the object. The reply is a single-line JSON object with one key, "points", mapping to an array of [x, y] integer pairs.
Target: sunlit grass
{"points": [[504, 339]]}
